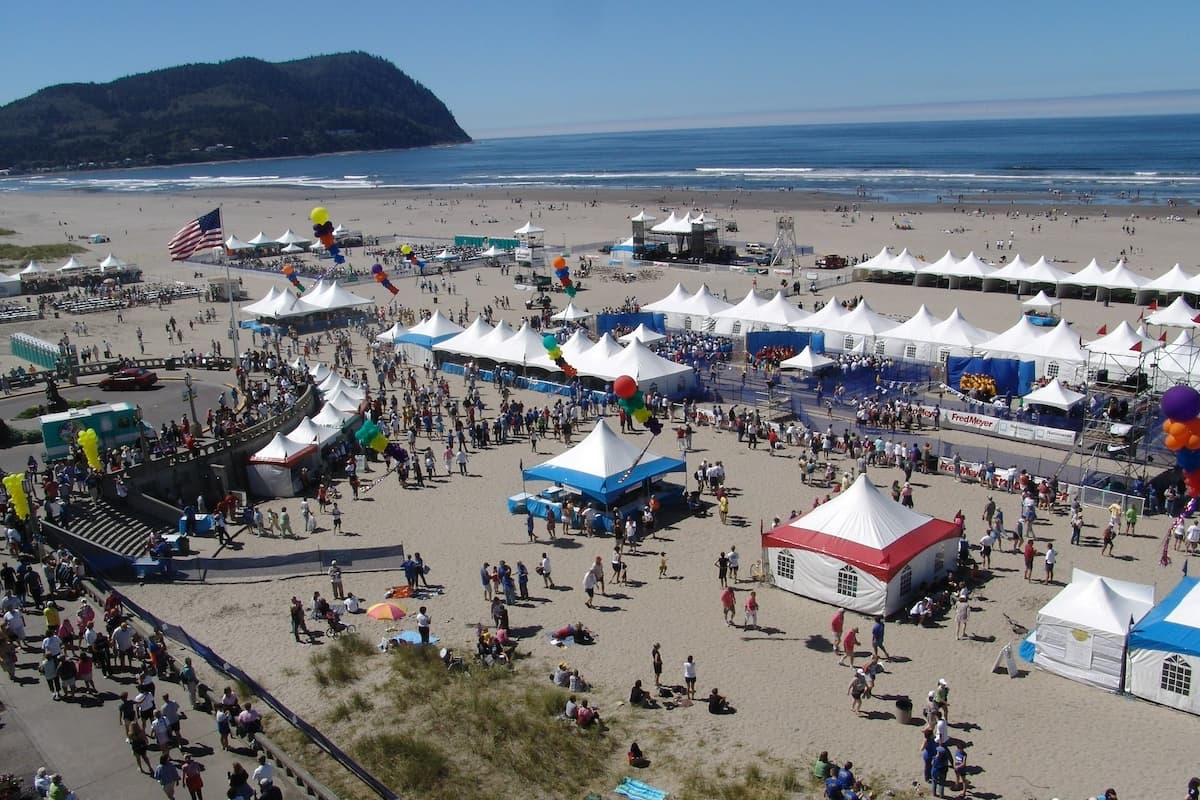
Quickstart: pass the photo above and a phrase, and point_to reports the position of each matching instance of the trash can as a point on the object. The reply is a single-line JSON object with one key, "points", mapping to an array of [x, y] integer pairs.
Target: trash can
{"points": [[904, 710], [171, 364]]}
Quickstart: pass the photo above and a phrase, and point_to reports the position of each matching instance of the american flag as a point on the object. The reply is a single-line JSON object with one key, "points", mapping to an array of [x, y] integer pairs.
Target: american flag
{"points": [[201, 233]]}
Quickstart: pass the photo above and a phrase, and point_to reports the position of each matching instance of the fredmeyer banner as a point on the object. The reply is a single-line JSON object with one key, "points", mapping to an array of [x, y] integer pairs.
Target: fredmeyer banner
{"points": [[1021, 431]]}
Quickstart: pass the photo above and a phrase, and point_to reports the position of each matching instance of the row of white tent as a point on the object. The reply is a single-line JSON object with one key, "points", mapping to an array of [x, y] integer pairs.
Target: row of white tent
{"points": [[72, 265], [288, 238], [321, 296], [1018, 272]]}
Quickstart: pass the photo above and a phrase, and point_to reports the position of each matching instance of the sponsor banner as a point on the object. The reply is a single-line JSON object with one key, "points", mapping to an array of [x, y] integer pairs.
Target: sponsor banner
{"points": [[1008, 429], [975, 422]]}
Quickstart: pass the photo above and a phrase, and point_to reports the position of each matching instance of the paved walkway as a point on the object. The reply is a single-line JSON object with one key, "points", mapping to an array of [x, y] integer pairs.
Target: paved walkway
{"points": [[81, 739]]}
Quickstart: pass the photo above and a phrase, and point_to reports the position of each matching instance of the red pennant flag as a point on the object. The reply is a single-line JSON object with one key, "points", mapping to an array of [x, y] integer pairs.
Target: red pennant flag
{"points": [[1154, 305], [1162, 336], [1196, 318], [1104, 330], [1137, 348]]}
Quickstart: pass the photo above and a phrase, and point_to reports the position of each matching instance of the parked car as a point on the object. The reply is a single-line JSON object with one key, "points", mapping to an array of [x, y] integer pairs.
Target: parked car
{"points": [[130, 378], [831, 262]]}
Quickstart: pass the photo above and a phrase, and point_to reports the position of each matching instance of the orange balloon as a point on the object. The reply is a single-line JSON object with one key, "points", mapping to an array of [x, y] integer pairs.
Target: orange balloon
{"points": [[1193, 426], [1193, 442], [1178, 429], [1166, 426], [380, 277], [560, 262], [287, 269]]}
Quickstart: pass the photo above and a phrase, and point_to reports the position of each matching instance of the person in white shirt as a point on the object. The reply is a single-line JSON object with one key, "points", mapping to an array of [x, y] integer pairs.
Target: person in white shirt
{"points": [[264, 771], [423, 625], [1051, 557], [733, 558], [353, 604]]}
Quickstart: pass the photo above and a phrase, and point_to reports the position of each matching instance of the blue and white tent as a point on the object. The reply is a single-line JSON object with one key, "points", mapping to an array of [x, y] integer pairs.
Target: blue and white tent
{"points": [[597, 465], [1164, 651]]}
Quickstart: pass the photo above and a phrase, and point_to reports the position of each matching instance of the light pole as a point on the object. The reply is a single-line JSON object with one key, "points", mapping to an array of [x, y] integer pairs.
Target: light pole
{"points": [[191, 397]]}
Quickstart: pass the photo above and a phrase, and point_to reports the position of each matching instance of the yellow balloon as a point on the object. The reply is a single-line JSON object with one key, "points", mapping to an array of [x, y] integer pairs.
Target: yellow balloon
{"points": [[319, 215], [406, 249], [642, 414]]}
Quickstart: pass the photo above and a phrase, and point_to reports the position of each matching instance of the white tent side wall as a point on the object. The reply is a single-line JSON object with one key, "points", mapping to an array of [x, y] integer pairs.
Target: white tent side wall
{"points": [[1079, 652], [272, 480], [1144, 678], [816, 576], [928, 566]]}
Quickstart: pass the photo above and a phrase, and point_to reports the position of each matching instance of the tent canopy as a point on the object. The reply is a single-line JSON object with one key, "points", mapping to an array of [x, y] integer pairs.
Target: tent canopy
{"points": [[112, 262], [308, 432], [824, 318], [392, 334], [571, 312], [640, 363], [1100, 603], [1179, 314], [863, 528], [528, 228], [643, 335], [1173, 280], [262, 239], [672, 303], [1055, 395], [234, 243], [1042, 302], [429, 332], [1174, 624], [290, 237], [597, 465], [806, 360], [281, 450]]}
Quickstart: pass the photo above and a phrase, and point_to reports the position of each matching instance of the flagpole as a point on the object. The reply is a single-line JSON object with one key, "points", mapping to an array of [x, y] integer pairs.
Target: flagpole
{"points": [[233, 331]]}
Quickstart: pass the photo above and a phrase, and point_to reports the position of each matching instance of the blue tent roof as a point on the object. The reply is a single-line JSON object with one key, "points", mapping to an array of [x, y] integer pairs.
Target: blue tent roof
{"points": [[597, 465], [1156, 632]]}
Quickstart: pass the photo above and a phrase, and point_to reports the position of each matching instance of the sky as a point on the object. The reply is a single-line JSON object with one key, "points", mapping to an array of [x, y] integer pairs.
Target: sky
{"points": [[529, 67]]}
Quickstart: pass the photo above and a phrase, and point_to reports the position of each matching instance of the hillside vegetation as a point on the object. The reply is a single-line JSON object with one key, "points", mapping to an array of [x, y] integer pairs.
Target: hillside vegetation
{"points": [[244, 108]]}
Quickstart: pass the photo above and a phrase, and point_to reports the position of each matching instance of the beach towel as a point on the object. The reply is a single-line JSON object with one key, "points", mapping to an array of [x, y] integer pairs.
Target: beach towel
{"points": [[399, 591], [560, 642], [636, 790]]}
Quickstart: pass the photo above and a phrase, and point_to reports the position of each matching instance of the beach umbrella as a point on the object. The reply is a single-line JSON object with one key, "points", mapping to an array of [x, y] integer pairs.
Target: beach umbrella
{"points": [[386, 611]]}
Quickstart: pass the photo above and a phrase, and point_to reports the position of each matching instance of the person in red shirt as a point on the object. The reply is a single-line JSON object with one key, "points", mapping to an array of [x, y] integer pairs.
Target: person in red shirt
{"points": [[848, 644], [839, 619]]}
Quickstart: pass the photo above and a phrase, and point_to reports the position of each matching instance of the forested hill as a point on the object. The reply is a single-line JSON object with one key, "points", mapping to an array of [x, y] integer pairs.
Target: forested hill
{"points": [[244, 108]]}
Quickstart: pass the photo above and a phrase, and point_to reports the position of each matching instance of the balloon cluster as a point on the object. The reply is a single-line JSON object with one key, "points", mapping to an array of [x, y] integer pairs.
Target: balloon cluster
{"points": [[550, 342], [634, 404], [14, 485], [89, 440], [411, 257], [1181, 405], [370, 436], [381, 278], [323, 230], [289, 272], [564, 276]]}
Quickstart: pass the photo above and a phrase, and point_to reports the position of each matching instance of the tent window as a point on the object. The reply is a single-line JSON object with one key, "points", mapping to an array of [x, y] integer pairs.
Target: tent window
{"points": [[939, 564], [785, 566], [943, 355], [910, 352], [1052, 369], [905, 580], [687, 323], [848, 343], [736, 329], [1176, 676], [847, 581], [880, 347]]}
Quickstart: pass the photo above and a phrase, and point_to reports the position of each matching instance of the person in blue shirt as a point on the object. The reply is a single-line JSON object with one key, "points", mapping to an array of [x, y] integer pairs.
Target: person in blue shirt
{"points": [[845, 776], [877, 632], [928, 749], [940, 766]]}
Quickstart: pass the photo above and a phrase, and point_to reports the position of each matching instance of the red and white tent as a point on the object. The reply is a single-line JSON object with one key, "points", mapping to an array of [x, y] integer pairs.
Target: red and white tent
{"points": [[862, 551]]}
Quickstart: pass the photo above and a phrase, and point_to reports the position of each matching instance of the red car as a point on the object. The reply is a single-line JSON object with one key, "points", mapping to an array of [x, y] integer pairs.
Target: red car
{"points": [[130, 378]]}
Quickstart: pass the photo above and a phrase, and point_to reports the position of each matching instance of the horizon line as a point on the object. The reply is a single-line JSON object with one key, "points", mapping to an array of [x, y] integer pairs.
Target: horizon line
{"points": [[1126, 104]]}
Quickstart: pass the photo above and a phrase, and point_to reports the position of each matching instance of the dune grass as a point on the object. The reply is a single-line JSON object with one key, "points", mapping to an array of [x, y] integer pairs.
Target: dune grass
{"points": [[23, 253]]}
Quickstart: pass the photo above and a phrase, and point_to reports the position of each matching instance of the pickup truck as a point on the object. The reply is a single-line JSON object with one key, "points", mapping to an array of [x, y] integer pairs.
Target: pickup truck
{"points": [[831, 262]]}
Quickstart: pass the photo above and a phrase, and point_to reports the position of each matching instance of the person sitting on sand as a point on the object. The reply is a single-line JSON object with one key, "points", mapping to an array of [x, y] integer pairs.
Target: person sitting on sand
{"points": [[922, 612], [562, 675], [640, 697], [718, 704], [585, 715], [576, 683], [571, 709], [581, 634], [822, 766], [353, 604], [636, 759]]}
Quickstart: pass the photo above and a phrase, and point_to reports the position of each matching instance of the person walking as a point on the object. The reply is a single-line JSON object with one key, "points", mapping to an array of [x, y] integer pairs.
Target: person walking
{"points": [[187, 675], [336, 514], [167, 775], [335, 578], [522, 580], [836, 625], [193, 780], [689, 677], [589, 587], [285, 524], [962, 611], [423, 624], [750, 611], [529, 526], [728, 604], [723, 508], [139, 745], [722, 565], [734, 560], [877, 633], [849, 643], [544, 571], [461, 460]]}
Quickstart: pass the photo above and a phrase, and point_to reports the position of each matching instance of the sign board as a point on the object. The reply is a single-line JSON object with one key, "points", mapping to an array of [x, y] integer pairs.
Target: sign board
{"points": [[1008, 429]]}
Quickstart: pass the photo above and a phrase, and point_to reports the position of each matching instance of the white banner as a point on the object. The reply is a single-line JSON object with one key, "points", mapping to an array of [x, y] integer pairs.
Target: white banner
{"points": [[1021, 431], [972, 421]]}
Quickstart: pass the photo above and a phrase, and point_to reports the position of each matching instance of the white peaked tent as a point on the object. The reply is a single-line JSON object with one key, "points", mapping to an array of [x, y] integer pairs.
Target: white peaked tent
{"points": [[308, 432], [290, 237], [32, 268], [335, 385], [873, 263], [445, 255], [342, 402], [429, 332], [261, 239], [1179, 314], [704, 303], [1121, 277], [672, 302], [825, 317], [643, 335], [1180, 360], [392, 334], [746, 306], [969, 268], [944, 267], [958, 334], [1082, 632], [234, 244], [1091, 275], [112, 262], [491, 252], [1172, 281], [806, 361], [644, 366], [1044, 271], [1116, 350], [274, 471], [491, 343], [862, 320], [1061, 344], [467, 342], [571, 312], [779, 313], [593, 357], [668, 225], [1042, 302], [526, 349], [1164, 651], [917, 328], [265, 305], [642, 216], [73, 265], [1055, 395], [905, 263], [861, 551], [334, 296], [528, 228], [1021, 339], [1013, 272], [319, 372], [330, 417], [575, 345], [291, 248]]}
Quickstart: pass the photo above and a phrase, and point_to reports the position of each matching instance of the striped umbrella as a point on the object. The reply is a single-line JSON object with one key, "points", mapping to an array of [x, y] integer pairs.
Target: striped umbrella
{"points": [[388, 611]]}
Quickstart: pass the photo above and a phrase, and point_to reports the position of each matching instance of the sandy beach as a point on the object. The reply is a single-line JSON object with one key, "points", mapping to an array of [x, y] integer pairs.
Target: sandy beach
{"points": [[1037, 736]]}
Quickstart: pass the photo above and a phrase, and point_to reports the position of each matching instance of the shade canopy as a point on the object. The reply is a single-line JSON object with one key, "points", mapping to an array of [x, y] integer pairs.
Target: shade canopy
{"points": [[112, 262], [332, 417], [32, 268], [862, 527], [429, 332], [234, 243], [1055, 395], [467, 342], [643, 334], [1042, 302], [644, 366], [1173, 280], [806, 361], [73, 265], [308, 432], [571, 312], [291, 237], [672, 303], [261, 239], [597, 466], [528, 228], [642, 216], [704, 303], [1179, 314], [333, 296], [392, 334], [1091, 275], [917, 328], [1167, 642], [282, 450], [874, 262], [862, 320]]}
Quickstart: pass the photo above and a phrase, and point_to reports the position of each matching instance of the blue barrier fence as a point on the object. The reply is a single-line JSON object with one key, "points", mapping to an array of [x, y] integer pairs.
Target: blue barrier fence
{"points": [[607, 322]]}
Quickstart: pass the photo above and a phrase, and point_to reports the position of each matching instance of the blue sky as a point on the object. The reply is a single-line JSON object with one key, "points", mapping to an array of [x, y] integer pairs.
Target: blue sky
{"points": [[510, 68]]}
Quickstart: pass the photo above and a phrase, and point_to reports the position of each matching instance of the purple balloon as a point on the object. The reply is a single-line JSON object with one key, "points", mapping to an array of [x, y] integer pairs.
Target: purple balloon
{"points": [[1181, 403]]}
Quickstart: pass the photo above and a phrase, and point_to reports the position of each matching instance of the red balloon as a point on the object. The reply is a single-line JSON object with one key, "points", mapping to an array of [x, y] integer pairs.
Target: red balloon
{"points": [[625, 387]]}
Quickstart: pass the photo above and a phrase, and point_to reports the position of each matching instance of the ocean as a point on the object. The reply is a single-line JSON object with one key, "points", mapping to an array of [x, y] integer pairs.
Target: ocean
{"points": [[1147, 160]]}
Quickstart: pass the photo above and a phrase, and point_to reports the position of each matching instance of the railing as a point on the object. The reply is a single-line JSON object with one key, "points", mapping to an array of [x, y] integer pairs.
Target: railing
{"points": [[302, 777]]}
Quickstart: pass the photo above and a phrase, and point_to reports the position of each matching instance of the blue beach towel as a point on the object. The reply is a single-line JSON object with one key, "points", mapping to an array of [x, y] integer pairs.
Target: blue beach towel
{"points": [[636, 790]]}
